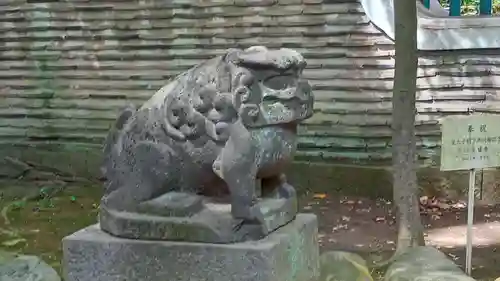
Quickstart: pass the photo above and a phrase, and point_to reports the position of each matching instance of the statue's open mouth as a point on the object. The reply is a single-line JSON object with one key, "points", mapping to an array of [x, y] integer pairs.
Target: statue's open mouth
{"points": [[286, 104], [285, 88]]}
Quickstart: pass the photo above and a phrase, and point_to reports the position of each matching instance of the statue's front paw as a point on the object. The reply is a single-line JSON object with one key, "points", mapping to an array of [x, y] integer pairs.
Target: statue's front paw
{"points": [[285, 190], [280, 188]]}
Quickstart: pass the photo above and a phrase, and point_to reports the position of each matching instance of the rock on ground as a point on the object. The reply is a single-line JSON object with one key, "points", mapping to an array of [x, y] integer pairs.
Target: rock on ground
{"points": [[343, 266], [425, 264], [25, 268]]}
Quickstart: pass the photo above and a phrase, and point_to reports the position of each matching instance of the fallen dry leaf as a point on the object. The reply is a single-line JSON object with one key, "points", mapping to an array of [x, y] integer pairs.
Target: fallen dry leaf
{"points": [[366, 210], [443, 206], [453, 257], [459, 205], [319, 196], [338, 227]]}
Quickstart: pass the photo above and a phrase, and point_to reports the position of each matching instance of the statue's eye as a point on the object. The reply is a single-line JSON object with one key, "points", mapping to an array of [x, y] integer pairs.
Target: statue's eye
{"points": [[280, 82]]}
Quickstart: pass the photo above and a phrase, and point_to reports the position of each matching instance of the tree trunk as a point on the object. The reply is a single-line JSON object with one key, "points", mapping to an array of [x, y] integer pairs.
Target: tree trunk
{"points": [[405, 187]]}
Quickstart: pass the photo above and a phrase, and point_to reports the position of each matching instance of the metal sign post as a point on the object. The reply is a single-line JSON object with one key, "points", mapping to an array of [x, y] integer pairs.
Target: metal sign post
{"points": [[470, 221], [470, 143]]}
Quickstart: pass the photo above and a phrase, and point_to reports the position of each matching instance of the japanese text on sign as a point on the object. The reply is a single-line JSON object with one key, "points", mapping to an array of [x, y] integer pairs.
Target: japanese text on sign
{"points": [[471, 142]]}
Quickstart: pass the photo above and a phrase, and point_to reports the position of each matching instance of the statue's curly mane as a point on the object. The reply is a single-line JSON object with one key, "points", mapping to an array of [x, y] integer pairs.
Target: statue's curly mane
{"points": [[184, 114], [203, 100]]}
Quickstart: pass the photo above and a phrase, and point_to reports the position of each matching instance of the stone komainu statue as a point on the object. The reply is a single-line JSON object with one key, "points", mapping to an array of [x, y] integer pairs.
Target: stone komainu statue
{"points": [[222, 132]]}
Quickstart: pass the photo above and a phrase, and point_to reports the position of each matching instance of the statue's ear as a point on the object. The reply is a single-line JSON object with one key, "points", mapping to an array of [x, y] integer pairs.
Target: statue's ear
{"points": [[256, 49], [237, 55]]}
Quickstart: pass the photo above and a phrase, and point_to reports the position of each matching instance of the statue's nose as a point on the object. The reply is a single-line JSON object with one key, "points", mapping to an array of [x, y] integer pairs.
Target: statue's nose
{"points": [[294, 58], [301, 65]]}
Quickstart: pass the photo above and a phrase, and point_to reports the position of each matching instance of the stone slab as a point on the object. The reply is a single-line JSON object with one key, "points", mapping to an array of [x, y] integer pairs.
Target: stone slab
{"points": [[213, 224], [425, 263], [14, 267], [291, 253]]}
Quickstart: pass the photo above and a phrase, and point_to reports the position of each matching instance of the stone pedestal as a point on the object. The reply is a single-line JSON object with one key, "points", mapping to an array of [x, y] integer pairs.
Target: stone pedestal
{"points": [[290, 253]]}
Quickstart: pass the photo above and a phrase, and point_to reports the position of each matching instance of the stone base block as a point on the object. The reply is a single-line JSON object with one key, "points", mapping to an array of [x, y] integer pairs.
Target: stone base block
{"points": [[290, 253]]}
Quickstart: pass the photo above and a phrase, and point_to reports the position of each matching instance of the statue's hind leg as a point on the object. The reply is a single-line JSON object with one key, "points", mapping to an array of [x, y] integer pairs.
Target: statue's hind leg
{"points": [[151, 184]]}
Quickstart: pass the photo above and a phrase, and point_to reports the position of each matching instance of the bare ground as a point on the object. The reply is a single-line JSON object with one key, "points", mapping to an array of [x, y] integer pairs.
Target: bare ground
{"points": [[368, 227], [345, 223]]}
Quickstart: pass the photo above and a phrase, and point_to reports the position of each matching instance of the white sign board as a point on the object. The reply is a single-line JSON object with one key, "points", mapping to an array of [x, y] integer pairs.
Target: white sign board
{"points": [[470, 142]]}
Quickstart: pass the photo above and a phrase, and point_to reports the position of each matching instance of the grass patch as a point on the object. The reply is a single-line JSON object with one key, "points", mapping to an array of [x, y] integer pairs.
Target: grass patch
{"points": [[36, 227]]}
